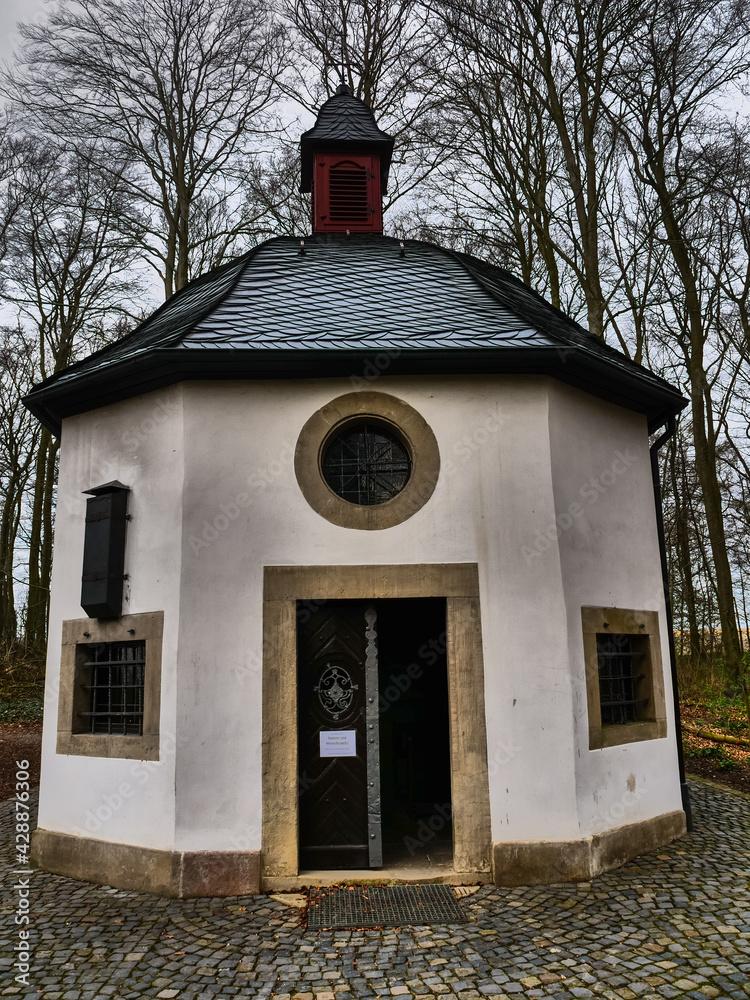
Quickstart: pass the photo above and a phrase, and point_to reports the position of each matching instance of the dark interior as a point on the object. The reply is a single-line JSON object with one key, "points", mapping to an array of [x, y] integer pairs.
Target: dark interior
{"points": [[414, 738]]}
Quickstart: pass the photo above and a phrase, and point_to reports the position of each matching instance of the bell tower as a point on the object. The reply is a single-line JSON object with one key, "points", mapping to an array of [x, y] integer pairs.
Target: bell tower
{"points": [[345, 164]]}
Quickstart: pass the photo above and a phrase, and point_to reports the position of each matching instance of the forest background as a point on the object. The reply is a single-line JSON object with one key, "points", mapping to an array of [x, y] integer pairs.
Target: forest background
{"points": [[597, 149]]}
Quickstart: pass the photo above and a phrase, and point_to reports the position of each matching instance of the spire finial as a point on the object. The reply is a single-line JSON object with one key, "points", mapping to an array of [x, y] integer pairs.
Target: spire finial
{"points": [[343, 87]]}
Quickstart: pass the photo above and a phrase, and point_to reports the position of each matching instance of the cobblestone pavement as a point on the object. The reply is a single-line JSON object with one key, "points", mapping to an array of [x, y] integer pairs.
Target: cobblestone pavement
{"points": [[675, 923]]}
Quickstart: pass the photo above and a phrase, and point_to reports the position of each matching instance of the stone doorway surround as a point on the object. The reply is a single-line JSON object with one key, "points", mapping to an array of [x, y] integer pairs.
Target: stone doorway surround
{"points": [[458, 583]]}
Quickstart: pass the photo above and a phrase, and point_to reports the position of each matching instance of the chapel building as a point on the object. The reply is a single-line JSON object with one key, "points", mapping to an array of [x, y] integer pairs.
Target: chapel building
{"points": [[357, 572]]}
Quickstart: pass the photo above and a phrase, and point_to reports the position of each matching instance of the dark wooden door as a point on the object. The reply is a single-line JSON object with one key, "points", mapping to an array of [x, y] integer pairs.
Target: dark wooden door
{"points": [[334, 644]]}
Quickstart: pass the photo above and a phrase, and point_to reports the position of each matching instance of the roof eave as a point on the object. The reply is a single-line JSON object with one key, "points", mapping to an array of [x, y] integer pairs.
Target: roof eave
{"points": [[52, 403]]}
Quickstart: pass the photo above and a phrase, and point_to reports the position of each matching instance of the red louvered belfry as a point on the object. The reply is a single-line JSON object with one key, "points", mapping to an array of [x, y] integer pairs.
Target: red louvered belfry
{"points": [[346, 194], [345, 163]]}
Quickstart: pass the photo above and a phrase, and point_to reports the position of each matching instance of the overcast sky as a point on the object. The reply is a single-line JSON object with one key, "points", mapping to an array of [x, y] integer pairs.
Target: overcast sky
{"points": [[11, 12]]}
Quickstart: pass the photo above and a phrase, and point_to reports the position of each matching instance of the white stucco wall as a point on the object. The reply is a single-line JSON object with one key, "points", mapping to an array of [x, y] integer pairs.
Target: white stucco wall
{"points": [[215, 499], [493, 440], [609, 553], [138, 443]]}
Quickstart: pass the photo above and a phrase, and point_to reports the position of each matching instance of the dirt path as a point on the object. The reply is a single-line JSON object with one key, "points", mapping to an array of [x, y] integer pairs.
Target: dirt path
{"points": [[18, 741]]}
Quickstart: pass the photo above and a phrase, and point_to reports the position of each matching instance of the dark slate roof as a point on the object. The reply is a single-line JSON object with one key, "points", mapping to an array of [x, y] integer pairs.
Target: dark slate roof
{"points": [[345, 122], [278, 312]]}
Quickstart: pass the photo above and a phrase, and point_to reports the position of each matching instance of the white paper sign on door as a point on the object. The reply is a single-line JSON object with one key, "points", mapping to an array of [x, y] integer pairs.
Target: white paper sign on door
{"points": [[338, 743]]}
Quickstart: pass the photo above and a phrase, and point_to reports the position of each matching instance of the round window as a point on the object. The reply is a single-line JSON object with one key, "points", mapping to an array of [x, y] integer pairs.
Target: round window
{"points": [[366, 460], [366, 464]]}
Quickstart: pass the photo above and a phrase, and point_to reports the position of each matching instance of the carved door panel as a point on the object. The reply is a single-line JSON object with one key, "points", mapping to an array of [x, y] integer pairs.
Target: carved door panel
{"points": [[339, 780]]}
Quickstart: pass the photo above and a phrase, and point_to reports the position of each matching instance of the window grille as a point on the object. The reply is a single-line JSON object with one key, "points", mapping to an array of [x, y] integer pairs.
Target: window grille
{"points": [[366, 465], [619, 679], [116, 686], [348, 193]]}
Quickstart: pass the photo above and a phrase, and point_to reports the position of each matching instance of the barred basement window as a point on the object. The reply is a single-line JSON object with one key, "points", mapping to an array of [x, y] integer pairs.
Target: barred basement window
{"points": [[620, 678], [116, 682], [624, 676], [110, 687]]}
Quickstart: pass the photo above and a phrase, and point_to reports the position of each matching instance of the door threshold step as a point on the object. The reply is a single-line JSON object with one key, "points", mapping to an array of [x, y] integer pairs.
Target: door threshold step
{"points": [[369, 876]]}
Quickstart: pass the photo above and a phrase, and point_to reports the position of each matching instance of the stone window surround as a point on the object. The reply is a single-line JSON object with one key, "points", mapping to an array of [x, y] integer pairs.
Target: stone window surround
{"points": [[390, 411], [80, 632], [625, 622]]}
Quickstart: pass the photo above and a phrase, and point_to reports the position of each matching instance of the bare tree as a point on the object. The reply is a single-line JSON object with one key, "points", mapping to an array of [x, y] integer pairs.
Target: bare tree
{"points": [[494, 195], [730, 207], [19, 433], [274, 201], [534, 77], [176, 95], [9, 204], [682, 58], [66, 267], [382, 48], [683, 491], [19, 439], [636, 257]]}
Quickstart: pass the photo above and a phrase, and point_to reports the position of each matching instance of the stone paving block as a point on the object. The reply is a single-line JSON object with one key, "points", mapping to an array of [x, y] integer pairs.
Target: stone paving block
{"points": [[644, 932]]}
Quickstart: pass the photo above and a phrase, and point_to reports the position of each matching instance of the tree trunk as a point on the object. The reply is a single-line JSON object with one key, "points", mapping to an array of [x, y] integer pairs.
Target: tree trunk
{"points": [[582, 178], [183, 245], [39, 545], [547, 250], [8, 522], [704, 444], [705, 467], [685, 569]]}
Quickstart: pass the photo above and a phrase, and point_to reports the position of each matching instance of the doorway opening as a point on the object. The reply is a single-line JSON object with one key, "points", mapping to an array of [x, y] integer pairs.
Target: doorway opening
{"points": [[373, 728], [414, 735]]}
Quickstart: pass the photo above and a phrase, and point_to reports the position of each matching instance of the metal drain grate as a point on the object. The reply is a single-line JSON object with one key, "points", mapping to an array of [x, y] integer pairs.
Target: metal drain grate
{"points": [[383, 906]]}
